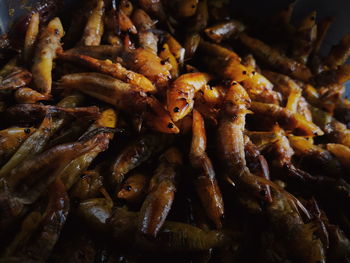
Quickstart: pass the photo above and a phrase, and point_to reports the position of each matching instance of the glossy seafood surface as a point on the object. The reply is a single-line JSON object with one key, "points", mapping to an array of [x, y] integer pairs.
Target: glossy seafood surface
{"points": [[173, 131]]}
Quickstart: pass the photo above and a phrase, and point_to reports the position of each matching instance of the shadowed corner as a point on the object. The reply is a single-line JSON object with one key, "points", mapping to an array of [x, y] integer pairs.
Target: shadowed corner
{"points": [[11, 11], [4, 17], [324, 8]]}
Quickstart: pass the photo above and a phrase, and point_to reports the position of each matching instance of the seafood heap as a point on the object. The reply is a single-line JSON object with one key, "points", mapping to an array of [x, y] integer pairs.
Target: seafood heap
{"points": [[169, 131]]}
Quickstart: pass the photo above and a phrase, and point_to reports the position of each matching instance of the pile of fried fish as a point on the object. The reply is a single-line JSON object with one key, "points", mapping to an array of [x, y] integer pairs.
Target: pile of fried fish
{"points": [[168, 131]]}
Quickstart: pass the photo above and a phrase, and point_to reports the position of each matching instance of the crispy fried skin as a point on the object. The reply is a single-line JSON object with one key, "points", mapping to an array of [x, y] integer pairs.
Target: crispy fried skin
{"points": [[94, 27], [148, 64], [10, 141], [29, 180], [115, 70], [137, 153], [339, 53], [162, 189], [204, 180], [225, 30], [144, 24], [45, 53], [275, 58], [123, 96], [172, 237], [15, 78], [182, 91], [31, 37], [134, 188], [40, 241], [27, 95]]}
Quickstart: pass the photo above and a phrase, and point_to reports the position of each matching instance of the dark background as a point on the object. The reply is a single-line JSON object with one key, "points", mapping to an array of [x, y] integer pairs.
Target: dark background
{"points": [[339, 9]]}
